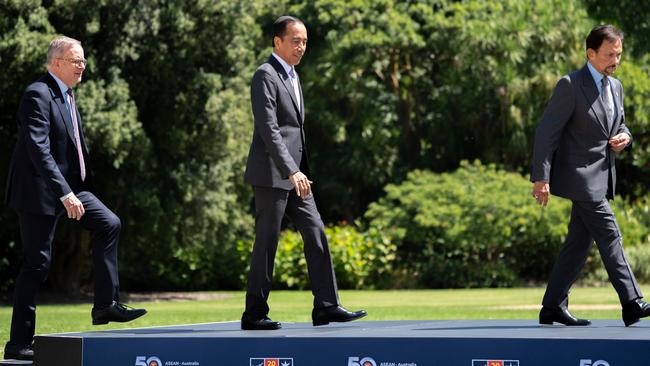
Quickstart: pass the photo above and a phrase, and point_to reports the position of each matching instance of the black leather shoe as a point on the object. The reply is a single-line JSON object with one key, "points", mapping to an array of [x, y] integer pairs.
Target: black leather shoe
{"points": [[259, 324], [559, 315], [19, 353], [116, 312], [633, 311], [335, 314]]}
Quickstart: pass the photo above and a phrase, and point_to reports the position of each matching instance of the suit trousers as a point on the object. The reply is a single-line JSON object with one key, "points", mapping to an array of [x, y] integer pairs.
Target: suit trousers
{"points": [[37, 233], [591, 221], [271, 204]]}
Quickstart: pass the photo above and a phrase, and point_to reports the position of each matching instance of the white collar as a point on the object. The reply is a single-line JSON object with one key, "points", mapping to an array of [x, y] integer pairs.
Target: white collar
{"points": [[64, 88], [285, 65]]}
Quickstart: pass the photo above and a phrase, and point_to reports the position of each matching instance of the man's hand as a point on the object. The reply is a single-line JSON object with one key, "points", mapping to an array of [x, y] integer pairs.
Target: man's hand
{"points": [[302, 184], [619, 142], [74, 207], [541, 192]]}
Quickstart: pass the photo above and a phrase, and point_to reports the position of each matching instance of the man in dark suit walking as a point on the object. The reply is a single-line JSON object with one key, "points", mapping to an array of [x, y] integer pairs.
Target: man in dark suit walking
{"points": [[577, 139], [48, 176], [278, 170]]}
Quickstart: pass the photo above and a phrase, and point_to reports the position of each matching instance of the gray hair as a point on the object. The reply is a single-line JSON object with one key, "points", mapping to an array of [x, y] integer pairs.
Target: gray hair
{"points": [[58, 46]]}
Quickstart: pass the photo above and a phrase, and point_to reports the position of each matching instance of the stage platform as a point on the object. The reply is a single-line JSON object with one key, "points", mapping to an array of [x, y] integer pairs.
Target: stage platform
{"points": [[364, 343]]}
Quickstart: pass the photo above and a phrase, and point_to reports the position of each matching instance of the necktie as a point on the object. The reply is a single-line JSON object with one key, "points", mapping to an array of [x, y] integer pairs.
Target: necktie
{"points": [[608, 101], [77, 139], [294, 82]]}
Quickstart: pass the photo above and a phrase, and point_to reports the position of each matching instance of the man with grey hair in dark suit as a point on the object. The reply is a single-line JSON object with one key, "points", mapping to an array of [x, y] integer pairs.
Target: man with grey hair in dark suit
{"points": [[577, 139], [278, 170], [49, 177]]}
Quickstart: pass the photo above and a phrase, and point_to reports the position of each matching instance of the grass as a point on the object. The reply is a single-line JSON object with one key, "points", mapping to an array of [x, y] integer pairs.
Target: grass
{"points": [[295, 306]]}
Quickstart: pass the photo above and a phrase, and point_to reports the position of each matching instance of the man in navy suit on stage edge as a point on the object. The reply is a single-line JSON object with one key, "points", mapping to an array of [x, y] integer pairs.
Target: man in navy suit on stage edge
{"points": [[48, 177]]}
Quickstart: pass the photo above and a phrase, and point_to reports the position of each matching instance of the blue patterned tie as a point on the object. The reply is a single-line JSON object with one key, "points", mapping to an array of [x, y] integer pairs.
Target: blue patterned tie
{"points": [[294, 83]]}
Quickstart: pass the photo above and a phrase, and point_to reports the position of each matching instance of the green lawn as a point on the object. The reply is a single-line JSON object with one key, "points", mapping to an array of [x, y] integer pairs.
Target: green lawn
{"points": [[295, 306]]}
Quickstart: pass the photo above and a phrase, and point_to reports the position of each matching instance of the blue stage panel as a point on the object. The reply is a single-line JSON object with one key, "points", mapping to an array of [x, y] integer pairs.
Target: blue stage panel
{"points": [[370, 343]]}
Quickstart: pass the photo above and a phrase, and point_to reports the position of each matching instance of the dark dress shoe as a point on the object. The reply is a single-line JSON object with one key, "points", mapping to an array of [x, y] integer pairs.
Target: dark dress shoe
{"points": [[634, 310], [259, 324], [335, 314], [19, 353], [116, 312], [560, 315]]}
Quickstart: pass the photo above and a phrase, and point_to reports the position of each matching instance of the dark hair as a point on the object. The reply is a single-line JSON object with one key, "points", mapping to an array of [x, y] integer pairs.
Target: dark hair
{"points": [[601, 33], [280, 26]]}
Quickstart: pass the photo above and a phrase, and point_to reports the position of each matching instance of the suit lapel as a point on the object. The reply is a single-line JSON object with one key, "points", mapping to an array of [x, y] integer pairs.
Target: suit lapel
{"points": [[57, 97], [282, 74], [591, 93]]}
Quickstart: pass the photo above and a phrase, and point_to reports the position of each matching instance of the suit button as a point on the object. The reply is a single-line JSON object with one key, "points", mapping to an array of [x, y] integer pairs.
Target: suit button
{"points": [[300, 150]]}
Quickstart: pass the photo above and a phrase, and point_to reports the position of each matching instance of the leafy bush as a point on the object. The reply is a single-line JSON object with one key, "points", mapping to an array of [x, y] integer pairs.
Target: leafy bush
{"points": [[634, 221], [638, 257], [475, 227], [361, 259]]}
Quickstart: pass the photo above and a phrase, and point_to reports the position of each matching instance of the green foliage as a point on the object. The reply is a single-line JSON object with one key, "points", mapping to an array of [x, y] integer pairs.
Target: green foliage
{"points": [[477, 226], [167, 119], [634, 172], [633, 220], [426, 84], [632, 16], [24, 35], [390, 87], [361, 259], [190, 104], [637, 256]]}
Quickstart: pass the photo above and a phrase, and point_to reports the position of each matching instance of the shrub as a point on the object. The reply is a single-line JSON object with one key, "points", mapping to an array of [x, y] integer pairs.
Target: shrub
{"points": [[361, 259], [634, 221], [638, 257], [475, 227]]}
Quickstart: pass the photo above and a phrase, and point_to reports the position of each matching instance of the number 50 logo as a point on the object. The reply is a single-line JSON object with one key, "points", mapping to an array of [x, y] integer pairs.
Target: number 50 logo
{"points": [[595, 363], [366, 361], [144, 361]]}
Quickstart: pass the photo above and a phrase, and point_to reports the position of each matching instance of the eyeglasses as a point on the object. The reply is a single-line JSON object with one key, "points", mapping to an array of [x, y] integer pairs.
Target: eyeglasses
{"points": [[78, 62]]}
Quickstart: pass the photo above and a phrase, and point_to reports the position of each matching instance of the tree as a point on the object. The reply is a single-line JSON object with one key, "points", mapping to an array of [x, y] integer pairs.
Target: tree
{"points": [[390, 87], [633, 17], [192, 104], [25, 34], [166, 113], [425, 84]]}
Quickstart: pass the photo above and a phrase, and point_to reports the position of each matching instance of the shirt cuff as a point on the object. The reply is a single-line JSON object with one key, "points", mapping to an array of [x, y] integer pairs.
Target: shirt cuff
{"points": [[66, 196]]}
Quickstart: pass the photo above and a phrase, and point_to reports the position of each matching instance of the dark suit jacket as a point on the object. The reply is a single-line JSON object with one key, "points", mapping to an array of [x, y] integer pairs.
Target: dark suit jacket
{"points": [[44, 165], [278, 147], [571, 143]]}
